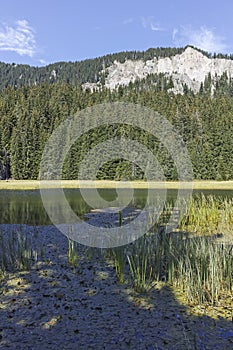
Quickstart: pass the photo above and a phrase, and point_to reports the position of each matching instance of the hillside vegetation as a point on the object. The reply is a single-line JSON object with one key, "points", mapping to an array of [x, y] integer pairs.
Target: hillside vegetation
{"points": [[34, 101]]}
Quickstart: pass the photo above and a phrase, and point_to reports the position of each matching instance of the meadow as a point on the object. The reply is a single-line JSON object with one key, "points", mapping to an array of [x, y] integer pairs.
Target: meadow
{"points": [[35, 184]]}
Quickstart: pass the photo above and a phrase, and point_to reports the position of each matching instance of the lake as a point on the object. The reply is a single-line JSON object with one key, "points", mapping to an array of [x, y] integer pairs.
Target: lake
{"points": [[26, 207]]}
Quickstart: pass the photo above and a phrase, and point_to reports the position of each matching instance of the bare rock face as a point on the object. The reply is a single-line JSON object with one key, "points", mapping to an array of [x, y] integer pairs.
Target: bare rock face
{"points": [[190, 68]]}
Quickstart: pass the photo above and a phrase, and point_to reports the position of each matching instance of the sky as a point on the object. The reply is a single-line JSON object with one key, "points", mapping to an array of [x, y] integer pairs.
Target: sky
{"points": [[39, 32]]}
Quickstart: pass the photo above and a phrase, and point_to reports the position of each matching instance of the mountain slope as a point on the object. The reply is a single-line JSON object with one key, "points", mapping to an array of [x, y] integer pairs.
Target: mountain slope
{"points": [[190, 68], [187, 68], [75, 73]]}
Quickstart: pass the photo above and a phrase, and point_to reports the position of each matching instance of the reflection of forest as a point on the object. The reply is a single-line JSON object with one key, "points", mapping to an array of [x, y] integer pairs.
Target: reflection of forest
{"points": [[25, 207], [18, 207]]}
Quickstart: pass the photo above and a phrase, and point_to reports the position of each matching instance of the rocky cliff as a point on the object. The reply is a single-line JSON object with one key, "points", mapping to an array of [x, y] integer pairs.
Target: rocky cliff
{"points": [[190, 67]]}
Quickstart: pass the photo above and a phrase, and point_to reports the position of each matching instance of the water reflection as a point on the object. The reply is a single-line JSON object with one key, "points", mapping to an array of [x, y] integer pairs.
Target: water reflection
{"points": [[25, 207]]}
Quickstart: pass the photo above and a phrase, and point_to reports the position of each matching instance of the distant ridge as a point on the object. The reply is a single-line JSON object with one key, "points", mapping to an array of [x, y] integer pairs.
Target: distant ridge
{"points": [[186, 67], [189, 68]]}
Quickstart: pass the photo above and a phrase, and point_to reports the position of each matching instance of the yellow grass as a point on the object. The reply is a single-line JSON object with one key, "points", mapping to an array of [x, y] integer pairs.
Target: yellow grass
{"points": [[35, 184]]}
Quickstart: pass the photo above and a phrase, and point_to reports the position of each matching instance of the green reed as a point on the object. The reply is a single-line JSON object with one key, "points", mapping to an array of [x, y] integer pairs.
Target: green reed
{"points": [[198, 266], [16, 251], [118, 254], [203, 269], [72, 253], [141, 271], [208, 215], [190, 258]]}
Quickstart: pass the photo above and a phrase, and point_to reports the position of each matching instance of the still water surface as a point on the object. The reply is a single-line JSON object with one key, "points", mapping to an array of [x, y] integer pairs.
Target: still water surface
{"points": [[26, 207]]}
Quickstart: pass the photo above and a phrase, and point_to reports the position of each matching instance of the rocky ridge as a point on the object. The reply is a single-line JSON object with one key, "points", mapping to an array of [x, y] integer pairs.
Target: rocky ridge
{"points": [[189, 68]]}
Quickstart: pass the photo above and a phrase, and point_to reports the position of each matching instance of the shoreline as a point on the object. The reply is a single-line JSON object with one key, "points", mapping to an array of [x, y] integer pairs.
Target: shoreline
{"points": [[107, 184]]}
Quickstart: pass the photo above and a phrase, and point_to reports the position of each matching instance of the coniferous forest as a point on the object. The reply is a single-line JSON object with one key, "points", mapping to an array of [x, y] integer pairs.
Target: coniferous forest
{"points": [[33, 104]]}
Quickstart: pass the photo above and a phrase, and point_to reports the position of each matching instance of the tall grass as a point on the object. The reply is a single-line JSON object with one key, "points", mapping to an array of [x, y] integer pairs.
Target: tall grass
{"points": [[72, 253], [198, 266], [16, 251], [190, 258], [208, 215], [202, 269], [140, 266]]}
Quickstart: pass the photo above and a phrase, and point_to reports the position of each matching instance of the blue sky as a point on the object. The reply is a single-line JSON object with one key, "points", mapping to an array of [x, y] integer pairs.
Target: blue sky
{"points": [[44, 31]]}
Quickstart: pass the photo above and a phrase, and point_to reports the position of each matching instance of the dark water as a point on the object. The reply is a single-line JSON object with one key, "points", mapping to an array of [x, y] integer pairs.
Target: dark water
{"points": [[26, 207]]}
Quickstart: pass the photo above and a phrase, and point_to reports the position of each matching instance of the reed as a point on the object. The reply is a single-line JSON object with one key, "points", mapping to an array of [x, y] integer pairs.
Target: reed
{"points": [[118, 255], [208, 215], [141, 273], [72, 253], [16, 251], [190, 258], [203, 269]]}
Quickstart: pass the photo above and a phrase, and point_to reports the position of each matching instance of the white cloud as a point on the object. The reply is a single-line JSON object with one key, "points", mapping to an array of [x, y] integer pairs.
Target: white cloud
{"points": [[19, 38], [149, 22], [203, 38]]}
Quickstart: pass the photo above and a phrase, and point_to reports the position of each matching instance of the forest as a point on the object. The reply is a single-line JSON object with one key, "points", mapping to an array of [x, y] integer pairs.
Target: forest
{"points": [[33, 103]]}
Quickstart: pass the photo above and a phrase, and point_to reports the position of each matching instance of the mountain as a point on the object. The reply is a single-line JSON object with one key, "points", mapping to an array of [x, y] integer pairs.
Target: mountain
{"points": [[190, 68], [182, 69], [75, 73], [190, 88]]}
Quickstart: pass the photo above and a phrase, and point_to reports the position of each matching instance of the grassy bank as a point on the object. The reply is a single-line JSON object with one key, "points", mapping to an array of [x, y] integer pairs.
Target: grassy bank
{"points": [[35, 184]]}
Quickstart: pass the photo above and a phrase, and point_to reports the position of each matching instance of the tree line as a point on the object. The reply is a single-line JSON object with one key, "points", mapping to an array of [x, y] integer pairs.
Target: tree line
{"points": [[29, 114]]}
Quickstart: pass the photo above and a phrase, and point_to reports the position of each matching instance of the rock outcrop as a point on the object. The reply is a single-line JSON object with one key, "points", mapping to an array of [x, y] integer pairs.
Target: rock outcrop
{"points": [[189, 68]]}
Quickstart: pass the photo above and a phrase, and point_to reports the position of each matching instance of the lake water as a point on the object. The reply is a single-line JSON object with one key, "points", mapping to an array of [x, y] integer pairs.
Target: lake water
{"points": [[26, 207]]}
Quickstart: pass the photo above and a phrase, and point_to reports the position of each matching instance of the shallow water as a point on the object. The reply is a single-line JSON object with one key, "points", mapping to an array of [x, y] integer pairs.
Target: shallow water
{"points": [[26, 207]]}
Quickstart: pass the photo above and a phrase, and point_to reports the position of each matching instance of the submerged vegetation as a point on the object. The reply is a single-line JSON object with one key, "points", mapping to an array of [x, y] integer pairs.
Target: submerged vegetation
{"points": [[196, 258]]}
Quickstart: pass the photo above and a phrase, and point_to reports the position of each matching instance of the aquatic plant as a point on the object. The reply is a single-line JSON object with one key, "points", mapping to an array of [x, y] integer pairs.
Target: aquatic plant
{"points": [[16, 251], [191, 258], [208, 215], [72, 253]]}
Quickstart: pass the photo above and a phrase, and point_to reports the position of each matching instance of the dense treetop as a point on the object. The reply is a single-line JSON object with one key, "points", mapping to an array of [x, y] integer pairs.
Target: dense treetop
{"points": [[34, 101]]}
